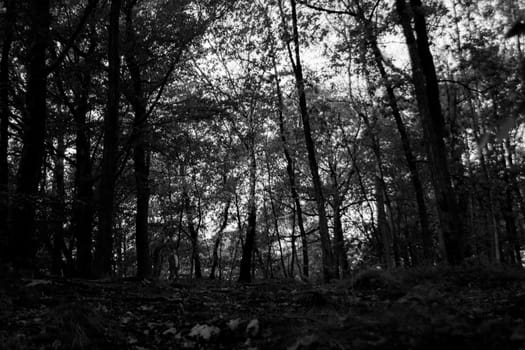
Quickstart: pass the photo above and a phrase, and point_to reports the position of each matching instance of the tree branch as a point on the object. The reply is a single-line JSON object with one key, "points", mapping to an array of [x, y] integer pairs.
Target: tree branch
{"points": [[326, 10]]}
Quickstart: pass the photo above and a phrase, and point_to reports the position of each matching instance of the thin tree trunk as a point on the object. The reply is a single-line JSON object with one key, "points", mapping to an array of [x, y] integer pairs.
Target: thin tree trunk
{"points": [[58, 209], [23, 243], [382, 199], [291, 173], [293, 237], [382, 225], [104, 242], [426, 234], [327, 256], [249, 244], [427, 96], [339, 241]]}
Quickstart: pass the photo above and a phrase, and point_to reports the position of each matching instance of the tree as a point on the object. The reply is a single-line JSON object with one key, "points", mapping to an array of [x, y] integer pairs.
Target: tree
{"points": [[22, 243], [5, 114], [428, 99], [141, 158], [327, 256], [104, 239]]}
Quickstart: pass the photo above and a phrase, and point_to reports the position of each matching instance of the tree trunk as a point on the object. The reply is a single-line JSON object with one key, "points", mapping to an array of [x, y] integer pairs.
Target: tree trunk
{"points": [[193, 233], [428, 101], [249, 244], [218, 239], [327, 256], [339, 240], [512, 191], [275, 219], [426, 234], [291, 173], [58, 209], [82, 219], [195, 250], [8, 34], [141, 158], [104, 242], [382, 225], [22, 242]]}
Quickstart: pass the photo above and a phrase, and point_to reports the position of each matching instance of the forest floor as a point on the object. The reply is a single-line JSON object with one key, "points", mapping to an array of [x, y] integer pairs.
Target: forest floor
{"points": [[447, 308]]}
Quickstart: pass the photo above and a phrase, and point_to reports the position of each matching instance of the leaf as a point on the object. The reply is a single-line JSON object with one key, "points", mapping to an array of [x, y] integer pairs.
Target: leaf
{"points": [[171, 330], [252, 329], [204, 331], [35, 283], [303, 342], [234, 324]]}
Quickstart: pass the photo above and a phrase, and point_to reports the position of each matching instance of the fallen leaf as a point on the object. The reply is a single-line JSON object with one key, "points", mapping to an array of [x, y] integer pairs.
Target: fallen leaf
{"points": [[234, 324], [252, 329], [35, 283], [171, 330], [303, 342], [204, 331]]}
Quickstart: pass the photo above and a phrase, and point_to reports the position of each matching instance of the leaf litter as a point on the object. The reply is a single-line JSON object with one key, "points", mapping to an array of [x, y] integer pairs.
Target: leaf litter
{"points": [[467, 308]]}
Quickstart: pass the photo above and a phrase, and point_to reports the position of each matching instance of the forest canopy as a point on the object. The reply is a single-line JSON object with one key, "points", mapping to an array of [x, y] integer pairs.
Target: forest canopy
{"points": [[237, 140]]}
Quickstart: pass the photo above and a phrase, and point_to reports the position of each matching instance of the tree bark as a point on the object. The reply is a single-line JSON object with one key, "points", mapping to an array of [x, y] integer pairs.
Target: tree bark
{"points": [[426, 234], [218, 239], [83, 210], [382, 225], [291, 172], [428, 101], [8, 30], [327, 256], [141, 158], [275, 218], [22, 243], [104, 242], [249, 244], [339, 240], [58, 209]]}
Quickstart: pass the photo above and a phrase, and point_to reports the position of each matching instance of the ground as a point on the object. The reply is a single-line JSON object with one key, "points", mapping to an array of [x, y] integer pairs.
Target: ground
{"points": [[445, 308]]}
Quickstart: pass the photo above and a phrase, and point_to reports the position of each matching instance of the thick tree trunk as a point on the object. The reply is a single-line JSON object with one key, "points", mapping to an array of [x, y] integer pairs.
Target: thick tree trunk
{"points": [[22, 243], [512, 194], [275, 218], [195, 249], [82, 220], [104, 242], [249, 244], [218, 239], [141, 166], [428, 100], [140, 153], [8, 30], [327, 256]]}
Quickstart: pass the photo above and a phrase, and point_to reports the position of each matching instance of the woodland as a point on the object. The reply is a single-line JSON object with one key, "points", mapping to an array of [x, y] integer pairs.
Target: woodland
{"points": [[260, 174]]}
